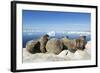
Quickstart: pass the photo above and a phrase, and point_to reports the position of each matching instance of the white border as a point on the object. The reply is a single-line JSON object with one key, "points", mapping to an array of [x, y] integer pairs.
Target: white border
{"points": [[21, 66]]}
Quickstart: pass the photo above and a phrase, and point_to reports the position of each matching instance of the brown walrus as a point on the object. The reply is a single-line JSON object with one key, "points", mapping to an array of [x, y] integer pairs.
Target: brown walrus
{"points": [[74, 44], [54, 46], [37, 46], [81, 42], [33, 46], [43, 40], [69, 44]]}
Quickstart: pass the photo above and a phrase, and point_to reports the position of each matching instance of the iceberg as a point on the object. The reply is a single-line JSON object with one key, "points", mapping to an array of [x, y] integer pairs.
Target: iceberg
{"points": [[52, 33]]}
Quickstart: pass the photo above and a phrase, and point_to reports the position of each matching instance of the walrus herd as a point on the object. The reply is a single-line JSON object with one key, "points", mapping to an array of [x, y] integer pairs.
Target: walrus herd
{"points": [[54, 45]]}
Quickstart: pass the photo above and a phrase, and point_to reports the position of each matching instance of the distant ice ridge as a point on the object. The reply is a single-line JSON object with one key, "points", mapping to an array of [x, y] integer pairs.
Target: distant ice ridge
{"points": [[80, 33]]}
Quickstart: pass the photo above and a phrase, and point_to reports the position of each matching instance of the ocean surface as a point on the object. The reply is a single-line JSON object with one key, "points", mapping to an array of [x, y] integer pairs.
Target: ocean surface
{"points": [[36, 35]]}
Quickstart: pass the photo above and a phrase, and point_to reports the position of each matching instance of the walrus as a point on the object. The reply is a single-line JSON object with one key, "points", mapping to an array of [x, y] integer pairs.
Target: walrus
{"points": [[69, 44], [54, 46], [81, 42], [73, 44], [37, 46], [43, 40], [33, 46]]}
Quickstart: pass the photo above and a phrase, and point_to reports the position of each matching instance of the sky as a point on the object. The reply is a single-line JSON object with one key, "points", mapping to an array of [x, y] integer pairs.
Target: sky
{"points": [[46, 21]]}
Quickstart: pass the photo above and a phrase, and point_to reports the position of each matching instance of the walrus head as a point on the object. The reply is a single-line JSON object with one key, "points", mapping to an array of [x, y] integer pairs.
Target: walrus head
{"points": [[43, 41], [81, 42]]}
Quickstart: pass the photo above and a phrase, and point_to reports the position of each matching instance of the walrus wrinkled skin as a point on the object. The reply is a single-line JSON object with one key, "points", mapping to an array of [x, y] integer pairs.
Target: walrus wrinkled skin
{"points": [[69, 44], [81, 42], [73, 44], [37, 46], [43, 41], [54, 46], [33, 46]]}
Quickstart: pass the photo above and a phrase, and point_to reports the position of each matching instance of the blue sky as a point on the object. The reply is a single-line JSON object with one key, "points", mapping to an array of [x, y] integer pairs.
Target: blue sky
{"points": [[55, 21]]}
